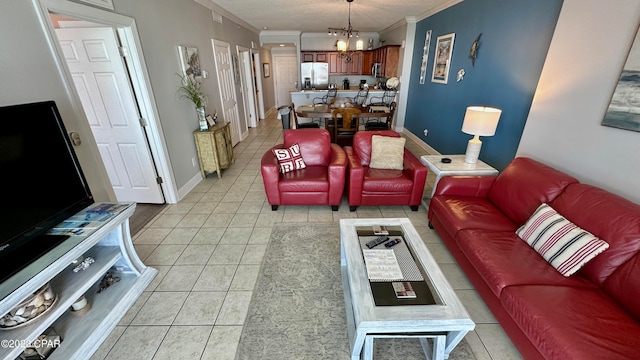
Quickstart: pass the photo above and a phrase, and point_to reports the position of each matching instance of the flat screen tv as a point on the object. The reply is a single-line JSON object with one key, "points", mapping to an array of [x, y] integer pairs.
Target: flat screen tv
{"points": [[41, 183]]}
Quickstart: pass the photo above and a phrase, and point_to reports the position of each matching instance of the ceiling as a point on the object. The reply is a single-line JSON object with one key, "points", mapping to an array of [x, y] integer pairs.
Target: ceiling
{"points": [[318, 15]]}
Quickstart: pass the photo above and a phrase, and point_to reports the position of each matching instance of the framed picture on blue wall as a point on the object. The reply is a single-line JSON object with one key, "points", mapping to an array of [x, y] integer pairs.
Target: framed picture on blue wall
{"points": [[442, 59]]}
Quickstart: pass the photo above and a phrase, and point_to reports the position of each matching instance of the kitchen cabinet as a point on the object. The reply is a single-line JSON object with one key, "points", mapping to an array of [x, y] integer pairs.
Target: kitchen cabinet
{"points": [[367, 62], [389, 57], [355, 66], [215, 151], [314, 56], [338, 65]]}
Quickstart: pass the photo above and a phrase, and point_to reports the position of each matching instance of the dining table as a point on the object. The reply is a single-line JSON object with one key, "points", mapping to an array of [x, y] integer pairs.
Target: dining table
{"points": [[323, 113]]}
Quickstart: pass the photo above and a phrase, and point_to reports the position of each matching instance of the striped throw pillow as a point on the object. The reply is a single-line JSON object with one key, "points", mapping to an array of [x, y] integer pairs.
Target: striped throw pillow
{"points": [[289, 159], [563, 244]]}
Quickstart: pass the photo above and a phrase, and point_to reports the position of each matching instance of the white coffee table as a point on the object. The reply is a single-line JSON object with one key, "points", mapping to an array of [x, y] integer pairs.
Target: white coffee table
{"points": [[457, 166], [446, 322]]}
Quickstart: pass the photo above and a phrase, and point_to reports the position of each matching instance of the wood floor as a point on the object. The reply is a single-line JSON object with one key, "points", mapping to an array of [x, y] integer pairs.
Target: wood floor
{"points": [[143, 214]]}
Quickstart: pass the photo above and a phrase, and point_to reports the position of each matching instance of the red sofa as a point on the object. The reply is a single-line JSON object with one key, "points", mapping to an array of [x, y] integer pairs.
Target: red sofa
{"points": [[593, 314], [320, 183], [367, 186]]}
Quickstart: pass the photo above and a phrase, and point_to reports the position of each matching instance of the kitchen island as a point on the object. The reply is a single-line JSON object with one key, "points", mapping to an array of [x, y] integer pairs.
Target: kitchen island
{"points": [[305, 97]]}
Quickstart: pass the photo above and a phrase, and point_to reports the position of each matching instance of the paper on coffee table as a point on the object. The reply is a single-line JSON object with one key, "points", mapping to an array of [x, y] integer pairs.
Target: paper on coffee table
{"points": [[382, 265]]}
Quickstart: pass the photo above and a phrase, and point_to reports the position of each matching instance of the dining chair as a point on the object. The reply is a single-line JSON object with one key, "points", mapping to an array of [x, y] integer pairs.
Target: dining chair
{"points": [[379, 120], [327, 98], [375, 120], [345, 126], [323, 119], [385, 100], [361, 97], [304, 125]]}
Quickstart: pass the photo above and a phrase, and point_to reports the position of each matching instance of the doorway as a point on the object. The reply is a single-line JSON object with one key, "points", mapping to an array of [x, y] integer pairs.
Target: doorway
{"points": [[155, 177], [285, 72], [227, 88], [258, 78], [247, 76]]}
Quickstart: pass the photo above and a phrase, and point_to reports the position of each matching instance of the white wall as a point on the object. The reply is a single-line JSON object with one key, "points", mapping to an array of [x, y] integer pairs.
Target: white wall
{"points": [[29, 74], [162, 26], [586, 55]]}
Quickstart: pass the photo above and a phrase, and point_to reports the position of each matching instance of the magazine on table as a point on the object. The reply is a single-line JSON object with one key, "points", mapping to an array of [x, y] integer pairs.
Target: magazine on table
{"points": [[382, 265]]}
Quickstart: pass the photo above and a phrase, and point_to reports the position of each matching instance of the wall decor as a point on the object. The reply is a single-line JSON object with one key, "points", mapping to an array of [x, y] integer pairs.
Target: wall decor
{"points": [[190, 63], [266, 70], [236, 68], [473, 52], [624, 108], [442, 59], [425, 56]]}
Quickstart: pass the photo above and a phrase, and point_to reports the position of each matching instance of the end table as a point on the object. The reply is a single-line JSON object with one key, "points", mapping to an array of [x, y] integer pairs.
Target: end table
{"points": [[457, 166]]}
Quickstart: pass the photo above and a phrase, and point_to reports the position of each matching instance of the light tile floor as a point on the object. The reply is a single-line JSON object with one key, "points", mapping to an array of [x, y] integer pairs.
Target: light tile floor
{"points": [[208, 249]]}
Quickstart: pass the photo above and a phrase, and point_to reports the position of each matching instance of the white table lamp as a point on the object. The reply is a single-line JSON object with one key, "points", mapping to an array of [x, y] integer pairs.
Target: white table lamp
{"points": [[479, 121]]}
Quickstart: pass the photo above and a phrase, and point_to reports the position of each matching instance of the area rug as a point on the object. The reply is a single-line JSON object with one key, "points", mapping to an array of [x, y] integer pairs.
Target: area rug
{"points": [[297, 311]]}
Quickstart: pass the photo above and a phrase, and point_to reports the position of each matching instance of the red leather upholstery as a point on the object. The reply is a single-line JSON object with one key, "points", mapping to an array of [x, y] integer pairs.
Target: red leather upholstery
{"points": [[366, 186], [595, 313], [320, 183], [573, 323], [503, 259], [524, 185], [609, 217]]}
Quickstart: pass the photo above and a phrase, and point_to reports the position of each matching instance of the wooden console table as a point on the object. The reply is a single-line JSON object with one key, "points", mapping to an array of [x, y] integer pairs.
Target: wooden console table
{"points": [[215, 151]]}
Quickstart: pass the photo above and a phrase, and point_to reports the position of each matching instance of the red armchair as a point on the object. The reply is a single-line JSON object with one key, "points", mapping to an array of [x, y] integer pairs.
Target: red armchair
{"points": [[320, 183], [367, 186]]}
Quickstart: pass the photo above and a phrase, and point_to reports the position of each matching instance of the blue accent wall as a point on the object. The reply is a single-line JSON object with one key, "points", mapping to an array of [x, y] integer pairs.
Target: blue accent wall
{"points": [[513, 47]]}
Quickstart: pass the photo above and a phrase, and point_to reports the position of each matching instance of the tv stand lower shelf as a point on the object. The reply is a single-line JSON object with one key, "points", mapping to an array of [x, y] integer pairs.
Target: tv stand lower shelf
{"points": [[111, 247]]}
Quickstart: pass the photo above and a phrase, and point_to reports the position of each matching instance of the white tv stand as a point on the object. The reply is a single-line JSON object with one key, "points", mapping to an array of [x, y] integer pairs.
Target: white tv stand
{"points": [[111, 247]]}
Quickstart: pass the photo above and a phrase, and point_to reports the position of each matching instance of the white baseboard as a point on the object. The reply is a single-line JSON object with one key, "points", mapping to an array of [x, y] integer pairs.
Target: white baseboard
{"points": [[417, 140], [183, 191]]}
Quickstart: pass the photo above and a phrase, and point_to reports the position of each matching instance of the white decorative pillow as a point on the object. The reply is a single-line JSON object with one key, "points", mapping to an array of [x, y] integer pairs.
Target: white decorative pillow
{"points": [[387, 152], [289, 159], [563, 244]]}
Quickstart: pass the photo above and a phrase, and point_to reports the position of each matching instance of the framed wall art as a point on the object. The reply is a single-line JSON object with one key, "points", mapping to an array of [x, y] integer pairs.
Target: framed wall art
{"points": [[624, 108], [190, 62], [266, 70], [425, 56], [442, 58]]}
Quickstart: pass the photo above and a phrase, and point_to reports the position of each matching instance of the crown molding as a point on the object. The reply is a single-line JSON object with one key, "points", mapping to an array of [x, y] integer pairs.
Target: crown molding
{"points": [[281, 32], [222, 11], [437, 9]]}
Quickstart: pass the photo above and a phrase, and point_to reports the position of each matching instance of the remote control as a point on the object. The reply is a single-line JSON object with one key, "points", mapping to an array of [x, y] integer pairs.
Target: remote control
{"points": [[392, 242], [379, 240]]}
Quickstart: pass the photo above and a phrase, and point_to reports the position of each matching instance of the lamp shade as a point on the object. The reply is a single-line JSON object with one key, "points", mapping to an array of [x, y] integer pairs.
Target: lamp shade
{"points": [[342, 45], [481, 120]]}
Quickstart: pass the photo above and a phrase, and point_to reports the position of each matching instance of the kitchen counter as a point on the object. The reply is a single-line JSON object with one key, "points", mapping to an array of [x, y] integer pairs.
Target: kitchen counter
{"points": [[340, 90], [305, 97]]}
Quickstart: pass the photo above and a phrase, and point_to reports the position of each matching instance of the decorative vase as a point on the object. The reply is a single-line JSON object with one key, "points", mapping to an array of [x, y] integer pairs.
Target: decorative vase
{"points": [[202, 120]]}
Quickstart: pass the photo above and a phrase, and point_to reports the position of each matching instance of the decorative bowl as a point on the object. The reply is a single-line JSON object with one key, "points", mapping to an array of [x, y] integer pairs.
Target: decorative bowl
{"points": [[30, 309]]}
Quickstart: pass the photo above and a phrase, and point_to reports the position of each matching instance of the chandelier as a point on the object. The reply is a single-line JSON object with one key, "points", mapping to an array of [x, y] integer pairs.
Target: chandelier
{"points": [[343, 45]]}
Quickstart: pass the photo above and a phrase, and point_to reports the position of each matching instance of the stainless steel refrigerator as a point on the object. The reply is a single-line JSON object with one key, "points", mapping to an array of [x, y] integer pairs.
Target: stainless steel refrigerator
{"points": [[315, 75]]}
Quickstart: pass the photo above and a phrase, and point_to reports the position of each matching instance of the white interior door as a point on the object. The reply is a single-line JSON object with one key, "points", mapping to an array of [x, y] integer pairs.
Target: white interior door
{"points": [[285, 71], [227, 88], [104, 88], [257, 72], [248, 91]]}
